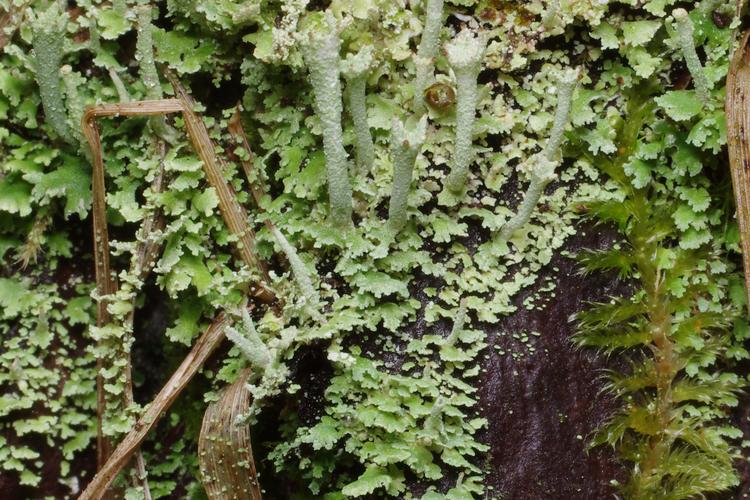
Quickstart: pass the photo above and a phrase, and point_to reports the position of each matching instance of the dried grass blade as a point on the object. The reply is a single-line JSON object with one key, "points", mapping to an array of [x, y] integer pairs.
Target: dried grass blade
{"points": [[254, 179], [224, 450], [105, 285], [234, 215], [198, 355], [133, 108]]}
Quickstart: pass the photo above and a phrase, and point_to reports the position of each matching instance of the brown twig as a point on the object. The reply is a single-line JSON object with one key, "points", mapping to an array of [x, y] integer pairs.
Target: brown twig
{"points": [[254, 179], [234, 215], [738, 139], [198, 355], [224, 450], [143, 259]]}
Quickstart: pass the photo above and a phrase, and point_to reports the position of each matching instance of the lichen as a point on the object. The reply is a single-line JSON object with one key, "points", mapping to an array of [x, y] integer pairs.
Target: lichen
{"points": [[49, 27], [356, 68], [405, 143], [692, 61], [424, 60], [542, 169], [400, 318], [320, 45], [147, 69], [465, 57]]}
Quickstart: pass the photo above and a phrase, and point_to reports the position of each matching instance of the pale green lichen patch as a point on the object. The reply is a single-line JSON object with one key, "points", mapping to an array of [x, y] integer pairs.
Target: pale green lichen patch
{"points": [[392, 277]]}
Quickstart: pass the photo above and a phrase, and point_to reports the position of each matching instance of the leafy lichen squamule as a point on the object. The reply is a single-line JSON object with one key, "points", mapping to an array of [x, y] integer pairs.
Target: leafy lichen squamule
{"points": [[320, 47]]}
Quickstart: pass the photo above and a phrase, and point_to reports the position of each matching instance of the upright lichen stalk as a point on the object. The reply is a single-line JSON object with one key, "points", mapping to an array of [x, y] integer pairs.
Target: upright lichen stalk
{"points": [[465, 57], [73, 100], [48, 30], [355, 69], [249, 343], [543, 164], [405, 144], [144, 54], [320, 47], [427, 51], [686, 42], [299, 270], [458, 323]]}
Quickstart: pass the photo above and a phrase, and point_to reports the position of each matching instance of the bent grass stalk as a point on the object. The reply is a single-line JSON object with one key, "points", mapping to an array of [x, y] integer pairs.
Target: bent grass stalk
{"points": [[225, 455]]}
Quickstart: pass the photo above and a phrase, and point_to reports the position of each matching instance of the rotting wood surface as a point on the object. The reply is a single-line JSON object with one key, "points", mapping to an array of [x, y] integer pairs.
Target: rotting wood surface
{"points": [[738, 141]]}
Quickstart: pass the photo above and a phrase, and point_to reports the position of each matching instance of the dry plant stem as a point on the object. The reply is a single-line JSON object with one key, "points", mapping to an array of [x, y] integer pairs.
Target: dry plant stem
{"points": [[234, 215], [738, 139], [232, 212], [198, 355], [224, 450], [105, 283], [254, 179]]}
